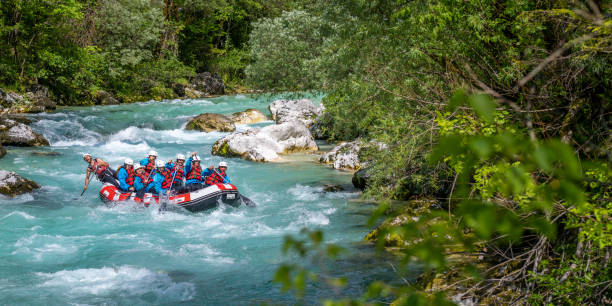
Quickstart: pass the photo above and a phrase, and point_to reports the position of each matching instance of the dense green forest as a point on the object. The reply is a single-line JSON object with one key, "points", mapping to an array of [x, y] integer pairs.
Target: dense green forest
{"points": [[134, 49], [496, 119], [496, 116]]}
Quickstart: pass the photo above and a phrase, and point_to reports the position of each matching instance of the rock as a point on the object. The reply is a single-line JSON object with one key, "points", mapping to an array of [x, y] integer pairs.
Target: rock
{"points": [[193, 93], [294, 110], [13, 133], [208, 122], [8, 99], [248, 116], [332, 188], [39, 95], [2, 151], [105, 98], [208, 83], [12, 184], [45, 153], [264, 144], [344, 156], [360, 178], [179, 89]]}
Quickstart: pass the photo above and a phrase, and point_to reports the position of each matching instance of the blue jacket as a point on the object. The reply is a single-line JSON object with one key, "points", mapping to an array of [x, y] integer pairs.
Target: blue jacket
{"points": [[207, 171], [188, 169], [122, 175], [158, 179], [138, 183], [144, 161]]}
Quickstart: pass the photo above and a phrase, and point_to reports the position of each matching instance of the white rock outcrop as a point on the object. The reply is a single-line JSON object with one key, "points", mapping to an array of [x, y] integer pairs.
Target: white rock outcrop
{"points": [[302, 110], [344, 156], [265, 144]]}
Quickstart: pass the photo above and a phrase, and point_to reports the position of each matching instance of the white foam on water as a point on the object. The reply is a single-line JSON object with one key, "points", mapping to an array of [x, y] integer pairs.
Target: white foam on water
{"points": [[177, 136], [306, 193], [40, 248], [19, 213], [122, 280], [66, 133]]}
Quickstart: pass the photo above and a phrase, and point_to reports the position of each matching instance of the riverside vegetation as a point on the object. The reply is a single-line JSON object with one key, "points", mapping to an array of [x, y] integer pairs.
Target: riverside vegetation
{"points": [[494, 117], [93, 51]]}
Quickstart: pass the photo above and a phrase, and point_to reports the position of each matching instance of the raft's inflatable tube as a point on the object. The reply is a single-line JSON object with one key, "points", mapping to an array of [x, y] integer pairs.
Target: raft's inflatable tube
{"points": [[202, 199]]}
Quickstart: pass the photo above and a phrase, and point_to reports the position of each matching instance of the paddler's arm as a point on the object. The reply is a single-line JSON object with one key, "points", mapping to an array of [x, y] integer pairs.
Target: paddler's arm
{"points": [[87, 179], [226, 179]]}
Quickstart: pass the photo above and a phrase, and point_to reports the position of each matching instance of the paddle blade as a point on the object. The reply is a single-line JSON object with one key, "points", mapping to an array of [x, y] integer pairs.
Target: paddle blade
{"points": [[248, 202]]}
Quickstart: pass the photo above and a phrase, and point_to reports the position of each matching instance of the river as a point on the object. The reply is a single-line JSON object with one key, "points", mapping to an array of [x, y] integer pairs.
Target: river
{"points": [[58, 248]]}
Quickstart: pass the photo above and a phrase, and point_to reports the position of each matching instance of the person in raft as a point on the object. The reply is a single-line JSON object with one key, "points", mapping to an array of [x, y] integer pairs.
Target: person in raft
{"points": [[149, 164], [194, 173], [177, 170], [162, 181], [216, 176], [101, 169], [125, 174]]}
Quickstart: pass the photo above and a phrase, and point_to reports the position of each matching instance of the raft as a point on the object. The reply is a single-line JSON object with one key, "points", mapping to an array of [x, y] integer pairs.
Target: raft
{"points": [[199, 200]]}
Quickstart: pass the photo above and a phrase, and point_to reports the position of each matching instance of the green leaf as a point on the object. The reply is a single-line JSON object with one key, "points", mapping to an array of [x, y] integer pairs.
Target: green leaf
{"points": [[484, 106]]}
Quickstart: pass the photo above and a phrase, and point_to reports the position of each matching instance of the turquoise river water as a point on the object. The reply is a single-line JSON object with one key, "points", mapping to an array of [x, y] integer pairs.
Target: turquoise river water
{"points": [[57, 248]]}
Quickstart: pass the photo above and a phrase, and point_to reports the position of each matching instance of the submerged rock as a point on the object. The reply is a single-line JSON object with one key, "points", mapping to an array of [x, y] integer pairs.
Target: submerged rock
{"points": [[264, 144], [208, 122], [13, 133], [344, 156], [45, 153], [208, 84], [332, 188], [12, 184], [302, 110], [248, 116]]}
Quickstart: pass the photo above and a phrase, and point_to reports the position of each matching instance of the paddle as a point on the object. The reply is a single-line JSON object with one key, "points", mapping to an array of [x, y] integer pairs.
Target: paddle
{"points": [[84, 189], [162, 203], [248, 202]]}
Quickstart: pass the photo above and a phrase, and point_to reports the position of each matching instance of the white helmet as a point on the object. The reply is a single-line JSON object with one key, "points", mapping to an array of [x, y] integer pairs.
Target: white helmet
{"points": [[153, 152], [196, 158], [223, 164], [86, 154], [180, 156], [128, 161], [138, 166], [159, 163]]}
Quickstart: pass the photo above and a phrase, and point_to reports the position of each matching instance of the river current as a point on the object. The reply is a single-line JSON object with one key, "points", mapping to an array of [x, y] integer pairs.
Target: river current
{"points": [[59, 248]]}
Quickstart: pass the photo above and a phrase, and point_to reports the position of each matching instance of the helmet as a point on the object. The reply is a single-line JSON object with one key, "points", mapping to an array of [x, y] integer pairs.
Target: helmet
{"points": [[86, 154], [138, 166], [223, 164], [128, 161], [159, 163], [196, 158], [153, 152], [180, 156]]}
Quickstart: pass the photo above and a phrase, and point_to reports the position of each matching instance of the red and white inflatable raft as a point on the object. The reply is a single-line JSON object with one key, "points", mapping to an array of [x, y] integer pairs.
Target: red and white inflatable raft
{"points": [[202, 199]]}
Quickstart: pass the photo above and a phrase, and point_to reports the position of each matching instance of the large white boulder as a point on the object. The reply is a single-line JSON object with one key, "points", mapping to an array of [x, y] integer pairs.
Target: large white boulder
{"points": [[302, 110], [265, 144], [12, 184], [13, 133]]}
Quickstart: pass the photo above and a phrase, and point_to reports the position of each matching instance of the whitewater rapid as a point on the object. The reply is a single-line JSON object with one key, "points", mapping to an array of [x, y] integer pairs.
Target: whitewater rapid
{"points": [[59, 248]]}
